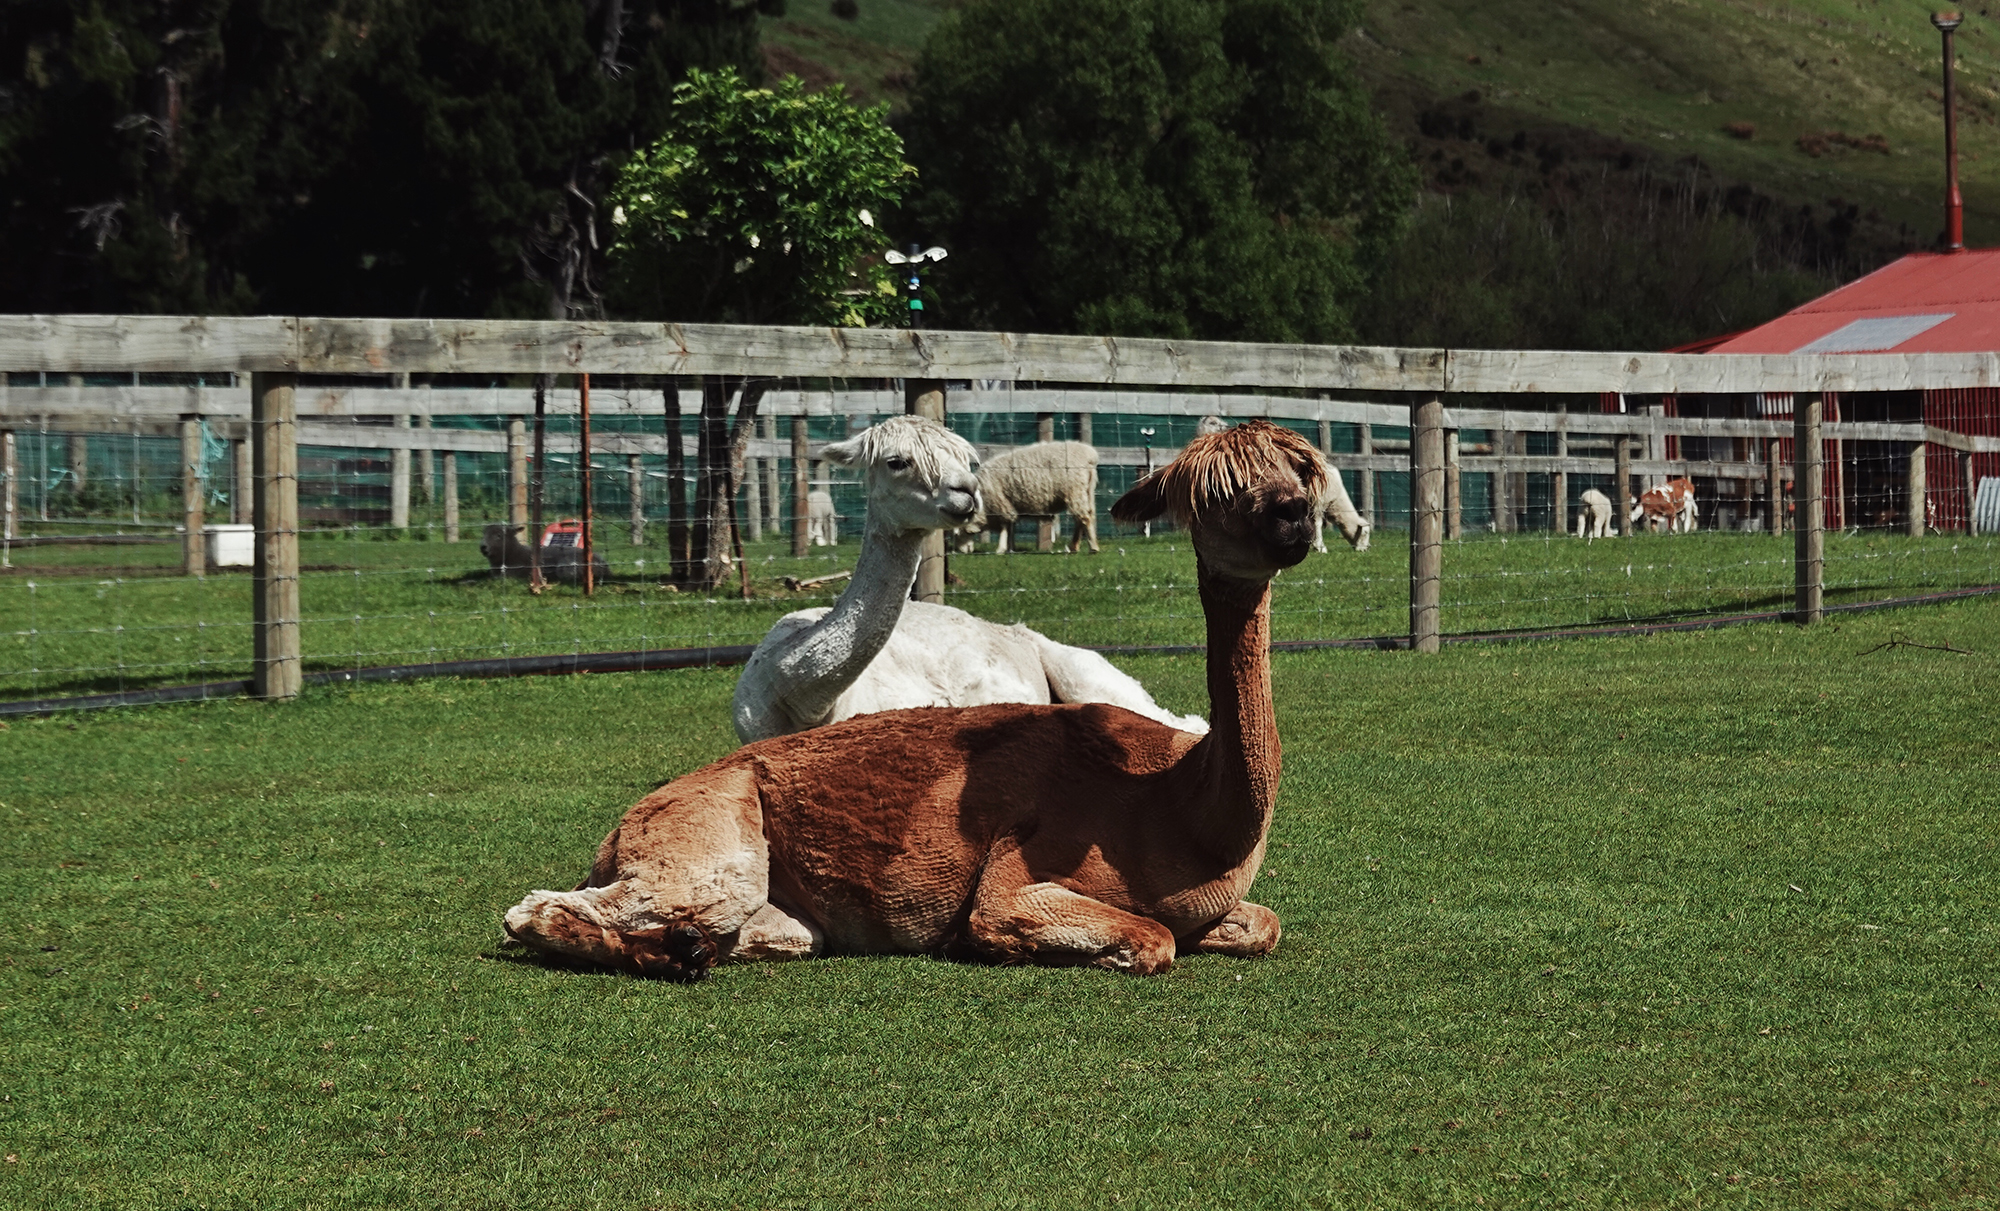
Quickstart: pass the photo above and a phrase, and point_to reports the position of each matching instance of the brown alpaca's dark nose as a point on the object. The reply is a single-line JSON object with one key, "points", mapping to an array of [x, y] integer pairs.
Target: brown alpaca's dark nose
{"points": [[1288, 528]]}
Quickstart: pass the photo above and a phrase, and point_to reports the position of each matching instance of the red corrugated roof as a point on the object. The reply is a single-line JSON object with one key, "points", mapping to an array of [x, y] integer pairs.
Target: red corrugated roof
{"points": [[1912, 293]]}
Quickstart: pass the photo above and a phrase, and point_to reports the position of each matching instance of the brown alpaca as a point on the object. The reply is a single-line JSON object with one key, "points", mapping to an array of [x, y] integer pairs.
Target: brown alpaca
{"points": [[1066, 834]]}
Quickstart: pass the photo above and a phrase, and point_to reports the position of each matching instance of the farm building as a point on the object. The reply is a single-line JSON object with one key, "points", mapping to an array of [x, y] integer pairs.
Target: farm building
{"points": [[1926, 302]]}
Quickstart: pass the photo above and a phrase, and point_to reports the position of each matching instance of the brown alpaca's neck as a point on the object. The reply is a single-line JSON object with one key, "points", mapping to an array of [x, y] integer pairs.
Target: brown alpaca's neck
{"points": [[1240, 752]]}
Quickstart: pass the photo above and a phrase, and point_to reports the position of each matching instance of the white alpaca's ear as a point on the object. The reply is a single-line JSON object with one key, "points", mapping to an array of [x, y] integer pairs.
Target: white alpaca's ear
{"points": [[848, 451]]}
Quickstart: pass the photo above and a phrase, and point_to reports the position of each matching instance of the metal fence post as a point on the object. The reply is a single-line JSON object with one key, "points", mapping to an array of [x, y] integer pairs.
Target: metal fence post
{"points": [[1808, 473], [193, 560], [275, 592], [925, 397], [1426, 520]]}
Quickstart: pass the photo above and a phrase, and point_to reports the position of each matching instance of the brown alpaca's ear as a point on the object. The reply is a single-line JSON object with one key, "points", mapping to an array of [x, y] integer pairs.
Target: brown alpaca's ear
{"points": [[1146, 500]]}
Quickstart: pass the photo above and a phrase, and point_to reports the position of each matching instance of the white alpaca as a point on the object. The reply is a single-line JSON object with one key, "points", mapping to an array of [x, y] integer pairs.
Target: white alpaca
{"points": [[1593, 515], [822, 523], [1041, 480], [876, 650]]}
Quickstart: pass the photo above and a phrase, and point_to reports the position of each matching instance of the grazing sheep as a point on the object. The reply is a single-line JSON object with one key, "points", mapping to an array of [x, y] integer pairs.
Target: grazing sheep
{"points": [[1593, 515], [509, 556], [1041, 480], [822, 523]]}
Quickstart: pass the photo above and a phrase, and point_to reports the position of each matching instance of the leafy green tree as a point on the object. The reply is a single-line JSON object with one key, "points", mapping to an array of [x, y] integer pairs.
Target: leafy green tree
{"points": [[1205, 168], [757, 206]]}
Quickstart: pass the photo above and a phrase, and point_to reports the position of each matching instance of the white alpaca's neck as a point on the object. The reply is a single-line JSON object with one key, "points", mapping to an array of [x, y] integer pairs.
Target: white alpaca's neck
{"points": [[830, 657]]}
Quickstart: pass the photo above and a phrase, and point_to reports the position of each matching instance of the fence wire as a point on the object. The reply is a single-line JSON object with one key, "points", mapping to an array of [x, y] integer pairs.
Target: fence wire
{"points": [[97, 597]]}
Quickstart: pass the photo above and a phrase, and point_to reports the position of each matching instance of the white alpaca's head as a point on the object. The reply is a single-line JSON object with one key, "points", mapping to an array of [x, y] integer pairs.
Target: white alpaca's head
{"points": [[919, 473]]}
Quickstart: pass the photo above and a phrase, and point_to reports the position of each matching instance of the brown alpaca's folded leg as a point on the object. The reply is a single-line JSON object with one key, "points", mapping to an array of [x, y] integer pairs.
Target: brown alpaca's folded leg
{"points": [[1048, 924], [1247, 931]]}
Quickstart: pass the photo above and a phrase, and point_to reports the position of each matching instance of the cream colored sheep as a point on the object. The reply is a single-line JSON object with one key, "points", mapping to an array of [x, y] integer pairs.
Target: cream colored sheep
{"points": [[1041, 480]]}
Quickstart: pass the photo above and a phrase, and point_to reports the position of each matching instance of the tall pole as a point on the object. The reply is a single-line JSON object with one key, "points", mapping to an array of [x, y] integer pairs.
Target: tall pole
{"points": [[1919, 493], [10, 499], [1808, 473], [450, 496], [517, 473], [1954, 203], [1426, 521], [399, 480], [538, 485], [1621, 482], [274, 425], [1776, 489], [583, 466]]}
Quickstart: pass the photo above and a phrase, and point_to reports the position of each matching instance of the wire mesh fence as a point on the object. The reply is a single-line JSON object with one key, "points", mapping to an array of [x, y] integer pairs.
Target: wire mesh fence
{"points": [[129, 566]]}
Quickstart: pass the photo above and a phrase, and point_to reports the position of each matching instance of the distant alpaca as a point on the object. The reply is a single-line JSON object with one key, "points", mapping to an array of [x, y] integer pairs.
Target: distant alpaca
{"points": [[1058, 835], [1041, 480], [1593, 515], [876, 650], [822, 524]]}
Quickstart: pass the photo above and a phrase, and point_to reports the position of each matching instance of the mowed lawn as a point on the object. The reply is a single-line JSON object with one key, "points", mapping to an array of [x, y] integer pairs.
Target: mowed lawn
{"points": [[1690, 920]]}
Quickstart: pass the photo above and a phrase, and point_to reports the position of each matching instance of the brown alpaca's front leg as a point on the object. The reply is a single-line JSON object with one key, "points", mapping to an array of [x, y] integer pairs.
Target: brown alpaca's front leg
{"points": [[1246, 931], [1016, 919]]}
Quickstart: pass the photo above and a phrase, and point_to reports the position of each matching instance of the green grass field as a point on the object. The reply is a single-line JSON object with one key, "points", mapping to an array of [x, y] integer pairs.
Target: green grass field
{"points": [[1690, 920], [69, 624]]}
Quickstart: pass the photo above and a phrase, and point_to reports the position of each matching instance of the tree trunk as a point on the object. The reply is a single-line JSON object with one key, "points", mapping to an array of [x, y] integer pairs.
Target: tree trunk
{"points": [[677, 504], [721, 454]]}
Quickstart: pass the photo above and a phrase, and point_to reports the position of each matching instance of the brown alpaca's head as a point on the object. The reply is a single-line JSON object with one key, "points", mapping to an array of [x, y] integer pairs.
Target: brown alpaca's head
{"points": [[1247, 496]]}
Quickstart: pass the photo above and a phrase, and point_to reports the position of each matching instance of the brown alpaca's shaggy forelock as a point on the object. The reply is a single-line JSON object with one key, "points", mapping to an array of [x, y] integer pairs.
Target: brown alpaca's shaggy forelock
{"points": [[1214, 468]]}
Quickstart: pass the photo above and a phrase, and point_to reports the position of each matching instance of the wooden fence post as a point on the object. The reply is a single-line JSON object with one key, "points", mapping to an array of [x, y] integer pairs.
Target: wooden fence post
{"points": [[774, 504], [1426, 520], [450, 496], [801, 486], [1808, 474], [1559, 481], [517, 477], [427, 484], [753, 497], [79, 462], [1971, 486], [925, 397], [1621, 483], [10, 496], [1454, 492], [636, 476], [1919, 493], [1502, 482], [275, 592], [193, 561], [1776, 471], [1364, 443], [241, 493], [399, 480], [1045, 529]]}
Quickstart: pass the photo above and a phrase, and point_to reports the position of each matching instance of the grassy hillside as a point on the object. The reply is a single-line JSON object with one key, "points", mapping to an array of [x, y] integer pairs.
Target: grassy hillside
{"points": [[1839, 99]]}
